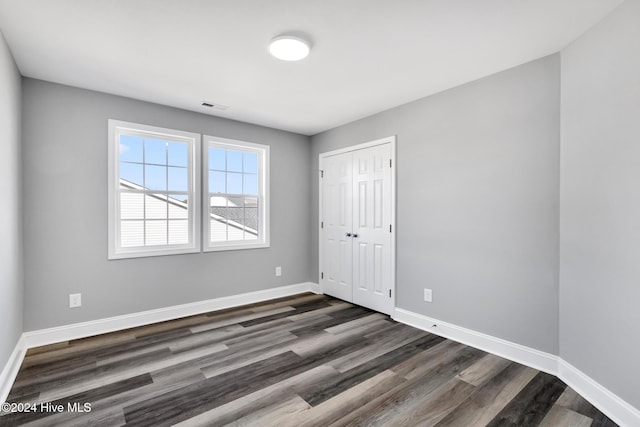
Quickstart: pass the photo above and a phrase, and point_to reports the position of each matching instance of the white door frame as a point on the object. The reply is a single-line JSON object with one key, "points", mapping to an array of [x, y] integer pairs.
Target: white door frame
{"points": [[387, 140]]}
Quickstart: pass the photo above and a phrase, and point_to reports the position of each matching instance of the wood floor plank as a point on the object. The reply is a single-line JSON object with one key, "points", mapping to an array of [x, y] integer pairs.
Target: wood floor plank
{"points": [[490, 398], [183, 372], [314, 343], [411, 392], [242, 354], [15, 397], [571, 400], [236, 320], [107, 374], [170, 325], [364, 371], [124, 350], [104, 407], [285, 301], [200, 397], [533, 402], [267, 416], [86, 356], [559, 416], [601, 420], [428, 411], [351, 313], [258, 338], [203, 338], [62, 353], [334, 305], [425, 361], [451, 361], [236, 360], [228, 337], [341, 405], [77, 375], [297, 309], [306, 360], [46, 348], [50, 371], [484, 369], [362, 321], [334, 318], [381, 343], [233, 410], [87, 396], [113, 417]]}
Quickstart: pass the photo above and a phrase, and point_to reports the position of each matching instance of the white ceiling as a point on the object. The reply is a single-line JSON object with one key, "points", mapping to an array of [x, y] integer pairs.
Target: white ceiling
{"points": [[367, 55]]}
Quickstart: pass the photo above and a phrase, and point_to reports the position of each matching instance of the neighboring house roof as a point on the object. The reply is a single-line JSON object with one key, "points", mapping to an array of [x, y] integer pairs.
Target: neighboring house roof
{"points": [[178, 209]]}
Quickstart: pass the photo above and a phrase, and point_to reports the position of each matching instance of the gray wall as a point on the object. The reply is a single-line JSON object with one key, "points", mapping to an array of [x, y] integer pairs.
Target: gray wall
{"points": [[11, 267], [477, 211], [600, 203], [65, 202]]}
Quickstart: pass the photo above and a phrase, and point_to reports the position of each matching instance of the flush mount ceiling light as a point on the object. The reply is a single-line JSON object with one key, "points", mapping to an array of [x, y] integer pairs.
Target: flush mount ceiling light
{"points": [[289, 48]]}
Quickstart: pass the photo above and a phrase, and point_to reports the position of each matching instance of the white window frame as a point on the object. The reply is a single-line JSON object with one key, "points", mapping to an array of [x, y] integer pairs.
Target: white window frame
{"points": [[263, 195], [117, 128]]}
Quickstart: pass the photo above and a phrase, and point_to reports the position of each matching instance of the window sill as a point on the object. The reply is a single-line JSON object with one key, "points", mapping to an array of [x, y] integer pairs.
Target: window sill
{"points": [[151, 253], [236, 246]]}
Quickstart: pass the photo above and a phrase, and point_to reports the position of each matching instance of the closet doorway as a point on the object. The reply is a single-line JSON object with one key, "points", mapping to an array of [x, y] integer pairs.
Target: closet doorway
{"points": [[357, 224]]}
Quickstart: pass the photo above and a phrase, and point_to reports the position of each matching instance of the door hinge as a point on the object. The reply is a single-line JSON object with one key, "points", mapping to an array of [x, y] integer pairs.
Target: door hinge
{"points": [[321, 173], [322, 275], [322, 224], [389, 228], [390, 162], [389, 293]]}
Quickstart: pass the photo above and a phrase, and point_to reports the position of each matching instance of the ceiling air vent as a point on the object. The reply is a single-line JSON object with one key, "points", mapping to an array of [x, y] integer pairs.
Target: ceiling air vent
{"points": [[216, 106]]}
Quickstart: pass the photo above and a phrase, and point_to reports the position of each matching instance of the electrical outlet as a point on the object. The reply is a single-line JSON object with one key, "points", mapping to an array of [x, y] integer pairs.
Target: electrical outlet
{"points": [[428, 295], [75, 300], [278, 271]]}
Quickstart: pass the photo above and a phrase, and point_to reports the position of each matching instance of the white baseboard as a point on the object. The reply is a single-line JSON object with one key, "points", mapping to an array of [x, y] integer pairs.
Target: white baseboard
{"points": [[607, 402], [11, 368], [518, 353], [117, 323], [315, 288], [621, 412]]}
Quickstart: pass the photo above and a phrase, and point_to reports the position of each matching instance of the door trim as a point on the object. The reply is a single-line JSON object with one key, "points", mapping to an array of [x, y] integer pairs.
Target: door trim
{"points": [[387, 140]]}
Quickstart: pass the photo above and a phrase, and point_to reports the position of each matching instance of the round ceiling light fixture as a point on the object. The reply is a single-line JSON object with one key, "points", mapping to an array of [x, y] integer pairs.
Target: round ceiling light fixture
{"points": [[289, 48]]}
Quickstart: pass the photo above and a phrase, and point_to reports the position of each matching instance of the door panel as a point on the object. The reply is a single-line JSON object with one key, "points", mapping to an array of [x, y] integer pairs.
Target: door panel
{"points": [[337, 217], [372, 265], [378, 262], [362, 282]]}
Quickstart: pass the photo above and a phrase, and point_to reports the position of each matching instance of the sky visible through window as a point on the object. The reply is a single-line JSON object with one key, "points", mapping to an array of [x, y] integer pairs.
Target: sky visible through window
{"points": [[233, 171], [155, 164], [162, 165]]}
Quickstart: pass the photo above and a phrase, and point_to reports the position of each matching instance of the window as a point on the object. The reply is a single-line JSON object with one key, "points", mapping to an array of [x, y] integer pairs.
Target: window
{"points": [[236, 188], [154, 204], [155, 197]]}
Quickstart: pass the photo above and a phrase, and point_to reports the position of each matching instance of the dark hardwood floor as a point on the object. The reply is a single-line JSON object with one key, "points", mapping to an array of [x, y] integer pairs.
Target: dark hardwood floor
{"points": [[307, 360]]}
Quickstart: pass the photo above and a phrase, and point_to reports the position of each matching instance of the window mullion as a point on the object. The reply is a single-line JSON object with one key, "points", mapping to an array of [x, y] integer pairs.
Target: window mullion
{"points": [[166, 183], [144, 193]]}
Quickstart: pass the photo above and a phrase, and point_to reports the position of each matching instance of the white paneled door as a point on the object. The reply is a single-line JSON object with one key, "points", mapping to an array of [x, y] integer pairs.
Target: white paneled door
{"points": [[337, 206], [356, 226]]}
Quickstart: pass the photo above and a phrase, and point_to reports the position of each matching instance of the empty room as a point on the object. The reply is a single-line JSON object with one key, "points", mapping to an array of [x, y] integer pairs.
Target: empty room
{"points": [[320, 213]]}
